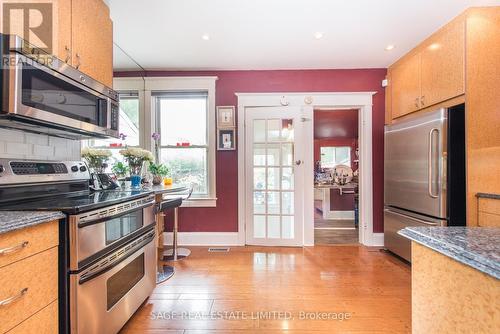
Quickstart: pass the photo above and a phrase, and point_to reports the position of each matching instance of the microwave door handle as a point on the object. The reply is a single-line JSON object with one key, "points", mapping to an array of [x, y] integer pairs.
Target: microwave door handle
{"points": [[430, 164]]}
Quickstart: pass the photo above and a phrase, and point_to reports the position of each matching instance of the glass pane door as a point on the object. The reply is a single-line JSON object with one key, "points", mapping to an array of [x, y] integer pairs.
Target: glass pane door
{"points": [[271, 175]]}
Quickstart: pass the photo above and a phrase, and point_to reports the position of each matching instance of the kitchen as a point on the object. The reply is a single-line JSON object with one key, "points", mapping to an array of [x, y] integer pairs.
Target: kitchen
{"points": [[93, 115]]}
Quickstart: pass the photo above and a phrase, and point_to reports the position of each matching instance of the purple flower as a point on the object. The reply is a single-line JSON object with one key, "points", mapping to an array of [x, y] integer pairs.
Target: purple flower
{"points": [[155, 136]]}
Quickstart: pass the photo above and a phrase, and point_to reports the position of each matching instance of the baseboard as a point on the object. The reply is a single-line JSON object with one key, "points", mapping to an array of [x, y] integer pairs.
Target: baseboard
{"points": [[203, 238], [377, 240]]}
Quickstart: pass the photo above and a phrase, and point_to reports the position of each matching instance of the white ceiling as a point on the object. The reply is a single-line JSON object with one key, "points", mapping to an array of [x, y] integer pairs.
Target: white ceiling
{"points": [[273, 34]]}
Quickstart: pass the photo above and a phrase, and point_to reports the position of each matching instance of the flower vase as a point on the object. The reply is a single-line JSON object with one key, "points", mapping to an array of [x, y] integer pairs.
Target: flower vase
{"points": [[135, 176], [157, 179]]}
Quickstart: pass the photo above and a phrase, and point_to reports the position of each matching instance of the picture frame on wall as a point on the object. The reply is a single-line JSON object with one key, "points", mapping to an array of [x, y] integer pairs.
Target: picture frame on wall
{"points": [[226, 139], [226, 116]]}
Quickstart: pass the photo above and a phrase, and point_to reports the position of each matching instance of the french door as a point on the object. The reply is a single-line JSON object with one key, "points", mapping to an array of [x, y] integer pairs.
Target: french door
{"points": [[274, 176]]}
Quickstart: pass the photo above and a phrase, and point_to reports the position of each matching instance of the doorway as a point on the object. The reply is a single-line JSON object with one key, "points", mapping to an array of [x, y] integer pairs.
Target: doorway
{"points": [[305, 103], [336, 182], [274, 176]]}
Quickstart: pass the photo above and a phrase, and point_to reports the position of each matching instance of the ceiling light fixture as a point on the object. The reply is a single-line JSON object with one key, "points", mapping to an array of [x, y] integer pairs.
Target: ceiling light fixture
{"points": [[318, 35], [205, 37], [389, 47]]}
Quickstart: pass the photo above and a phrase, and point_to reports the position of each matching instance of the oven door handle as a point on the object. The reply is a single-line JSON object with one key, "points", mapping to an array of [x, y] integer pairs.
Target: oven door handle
{"points": [[114, 259], [104, 218]]}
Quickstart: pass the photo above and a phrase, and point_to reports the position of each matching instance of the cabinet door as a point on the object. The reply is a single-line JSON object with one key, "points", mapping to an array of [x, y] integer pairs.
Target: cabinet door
{"points": [[92, 39], [62, 45], [405, 86], [442, 63]]}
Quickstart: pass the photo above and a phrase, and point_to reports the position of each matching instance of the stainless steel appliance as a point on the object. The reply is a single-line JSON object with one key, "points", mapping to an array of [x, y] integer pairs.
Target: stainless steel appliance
{"points": [[424, 174], [42, 94], [108, 251]]}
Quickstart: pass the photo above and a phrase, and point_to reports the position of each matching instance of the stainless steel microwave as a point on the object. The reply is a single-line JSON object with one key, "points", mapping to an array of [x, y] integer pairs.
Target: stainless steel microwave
{"points": [[42, 94]]}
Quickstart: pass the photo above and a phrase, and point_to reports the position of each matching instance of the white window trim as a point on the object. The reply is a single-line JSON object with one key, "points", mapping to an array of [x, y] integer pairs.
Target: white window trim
{"points": [[148, 120]]}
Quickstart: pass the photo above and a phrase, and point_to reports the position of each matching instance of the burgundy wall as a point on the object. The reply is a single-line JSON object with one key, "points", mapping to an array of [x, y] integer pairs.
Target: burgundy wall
{"points": [[224, 218], [335, 124]]}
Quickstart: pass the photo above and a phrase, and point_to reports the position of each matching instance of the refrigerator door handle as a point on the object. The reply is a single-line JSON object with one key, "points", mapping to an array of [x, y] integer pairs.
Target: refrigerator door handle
{"points": [[411, 218], [429, 165]]}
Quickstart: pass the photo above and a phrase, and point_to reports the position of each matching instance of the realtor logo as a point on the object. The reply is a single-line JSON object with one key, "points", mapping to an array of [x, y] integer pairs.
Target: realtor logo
{"points": [[31, 21]]}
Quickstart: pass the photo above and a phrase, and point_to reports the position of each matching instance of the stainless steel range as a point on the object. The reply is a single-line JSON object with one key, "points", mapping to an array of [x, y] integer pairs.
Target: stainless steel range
{"points": [[107, 252]]}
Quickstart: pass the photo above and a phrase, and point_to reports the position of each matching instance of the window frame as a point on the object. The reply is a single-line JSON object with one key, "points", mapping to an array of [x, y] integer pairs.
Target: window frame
{"points": [[153, 85], [158, 96], [335, 155], [132, 88]]}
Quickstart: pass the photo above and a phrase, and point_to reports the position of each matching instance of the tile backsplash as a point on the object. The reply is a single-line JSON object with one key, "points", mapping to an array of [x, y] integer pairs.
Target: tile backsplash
{"points": [[24, 145]]}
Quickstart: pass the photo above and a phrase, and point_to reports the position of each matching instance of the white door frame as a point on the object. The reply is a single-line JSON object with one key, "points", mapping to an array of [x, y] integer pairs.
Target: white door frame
{"points": [[332, 100]]}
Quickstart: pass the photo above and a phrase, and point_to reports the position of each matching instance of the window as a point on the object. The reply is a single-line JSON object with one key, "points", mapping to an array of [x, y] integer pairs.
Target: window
{"points": [[182, 121], [129, 128], [332, 156]]}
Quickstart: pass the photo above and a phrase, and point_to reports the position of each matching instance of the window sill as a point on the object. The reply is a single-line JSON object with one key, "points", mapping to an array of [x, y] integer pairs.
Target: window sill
{"points": [[199, 203]]}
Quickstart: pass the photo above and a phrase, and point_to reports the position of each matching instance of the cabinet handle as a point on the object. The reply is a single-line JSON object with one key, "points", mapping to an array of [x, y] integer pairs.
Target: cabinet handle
{"points": [[416, 103], [68, 54], [13, 298], [79, 61], [422, 100], [13, 249]]}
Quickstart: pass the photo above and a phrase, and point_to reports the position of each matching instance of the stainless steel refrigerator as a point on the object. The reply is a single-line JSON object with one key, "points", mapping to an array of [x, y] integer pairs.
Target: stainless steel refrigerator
{"points": [[424, 173]]}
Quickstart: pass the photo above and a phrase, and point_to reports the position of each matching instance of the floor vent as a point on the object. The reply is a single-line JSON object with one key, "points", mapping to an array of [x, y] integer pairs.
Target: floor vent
{"points": [[219, 249]]}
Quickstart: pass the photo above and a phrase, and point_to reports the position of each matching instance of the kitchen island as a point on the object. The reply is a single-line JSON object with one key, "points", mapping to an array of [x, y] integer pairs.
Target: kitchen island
{"points": [[337, 201], [455, 279]]}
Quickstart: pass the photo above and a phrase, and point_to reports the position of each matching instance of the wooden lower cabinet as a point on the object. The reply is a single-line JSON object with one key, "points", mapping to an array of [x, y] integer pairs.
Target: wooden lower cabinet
{"points": [[44, 321], [450, 297], [29, 280]]}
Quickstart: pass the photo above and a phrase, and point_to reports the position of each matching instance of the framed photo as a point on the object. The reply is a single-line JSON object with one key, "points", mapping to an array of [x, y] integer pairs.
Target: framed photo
{"points": [[226, 139], [225, 116]]}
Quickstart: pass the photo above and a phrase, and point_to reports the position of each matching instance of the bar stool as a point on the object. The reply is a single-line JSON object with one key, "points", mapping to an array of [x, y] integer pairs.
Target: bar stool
{"points": [[176, 253], [165, 271]]}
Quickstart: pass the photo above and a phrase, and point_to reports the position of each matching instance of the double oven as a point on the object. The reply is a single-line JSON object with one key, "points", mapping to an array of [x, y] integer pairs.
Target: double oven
{"points": [[107, 244], [112, 264]]}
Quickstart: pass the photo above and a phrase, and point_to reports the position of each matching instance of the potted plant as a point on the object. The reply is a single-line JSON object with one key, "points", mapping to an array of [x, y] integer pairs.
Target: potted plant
{"points": [[135, 157], [96, 158], [159, 171], [120, 169]]}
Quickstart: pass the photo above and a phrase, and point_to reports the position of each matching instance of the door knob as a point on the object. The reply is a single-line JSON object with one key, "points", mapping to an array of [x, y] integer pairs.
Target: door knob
{"points": [[298, 162]]}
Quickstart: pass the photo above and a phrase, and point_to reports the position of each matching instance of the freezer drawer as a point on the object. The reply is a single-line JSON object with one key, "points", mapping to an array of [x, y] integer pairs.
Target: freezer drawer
{"points": [[395, 220], [415, 164]]}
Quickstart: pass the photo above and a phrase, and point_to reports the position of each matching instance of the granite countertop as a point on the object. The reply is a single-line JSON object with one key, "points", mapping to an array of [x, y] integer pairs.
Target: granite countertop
{"points": [[476, 247], [159, 189], [173, 188], [15, 220]]}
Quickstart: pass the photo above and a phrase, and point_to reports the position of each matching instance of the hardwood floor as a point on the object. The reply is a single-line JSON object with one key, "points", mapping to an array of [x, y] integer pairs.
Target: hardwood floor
{"points": [[217, 293], [343, 232]]}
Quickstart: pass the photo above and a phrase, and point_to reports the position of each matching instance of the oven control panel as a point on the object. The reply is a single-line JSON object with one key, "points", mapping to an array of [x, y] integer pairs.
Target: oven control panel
{"points": [[27, 171]]}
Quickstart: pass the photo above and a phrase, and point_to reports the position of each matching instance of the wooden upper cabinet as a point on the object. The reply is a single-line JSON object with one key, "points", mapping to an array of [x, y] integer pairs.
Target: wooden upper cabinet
{"points": [[431, 73], [443, 64], [92, 40], [62, 45], [405, 86]]}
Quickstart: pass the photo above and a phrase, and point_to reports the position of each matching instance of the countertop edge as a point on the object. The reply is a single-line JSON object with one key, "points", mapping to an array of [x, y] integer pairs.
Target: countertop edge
{"points": [[25, 219], [453, 252]]}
